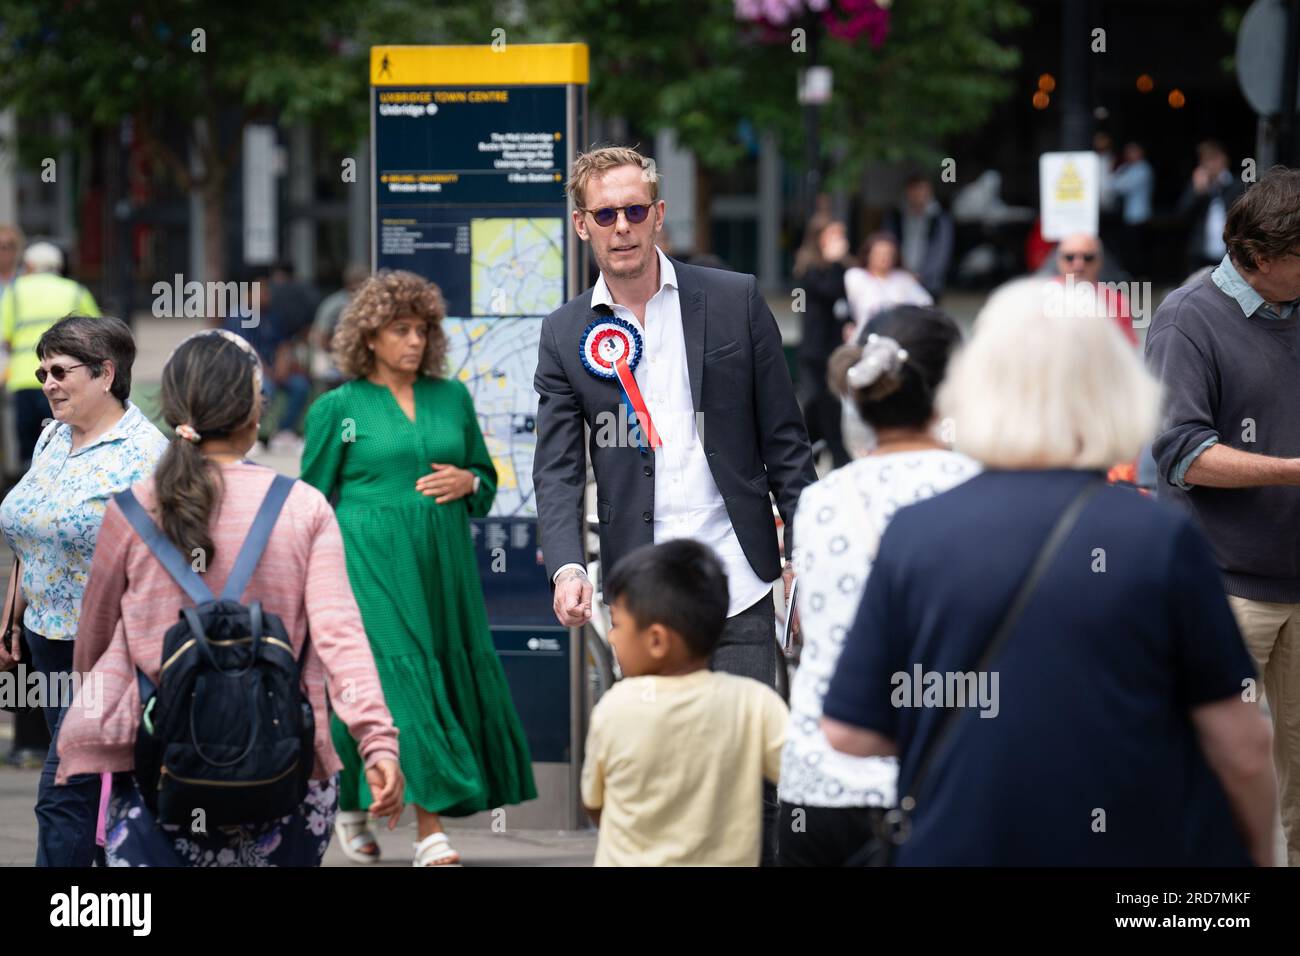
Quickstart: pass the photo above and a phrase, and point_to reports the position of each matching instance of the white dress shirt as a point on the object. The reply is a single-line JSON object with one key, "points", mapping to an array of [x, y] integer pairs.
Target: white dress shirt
{"points": [[688, 503]]}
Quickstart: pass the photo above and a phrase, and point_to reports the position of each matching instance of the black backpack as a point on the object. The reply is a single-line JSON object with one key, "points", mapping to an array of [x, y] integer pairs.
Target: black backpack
{"points": [[228, 730]]}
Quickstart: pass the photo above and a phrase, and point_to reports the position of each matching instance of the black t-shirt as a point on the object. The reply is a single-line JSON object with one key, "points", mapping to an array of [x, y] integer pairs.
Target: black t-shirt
{"points": [[1088, 755]]}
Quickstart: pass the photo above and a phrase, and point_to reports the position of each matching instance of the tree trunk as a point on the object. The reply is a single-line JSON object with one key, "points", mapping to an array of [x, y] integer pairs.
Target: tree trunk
{"points": [[703, 209], [214, 249]]}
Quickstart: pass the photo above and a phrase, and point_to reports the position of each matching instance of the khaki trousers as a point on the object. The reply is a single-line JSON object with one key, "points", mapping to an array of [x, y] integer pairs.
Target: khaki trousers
{"points": [[1272, 635]]}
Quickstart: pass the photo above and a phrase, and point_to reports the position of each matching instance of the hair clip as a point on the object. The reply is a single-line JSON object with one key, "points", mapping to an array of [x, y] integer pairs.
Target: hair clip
{"points": [[881, 355]]}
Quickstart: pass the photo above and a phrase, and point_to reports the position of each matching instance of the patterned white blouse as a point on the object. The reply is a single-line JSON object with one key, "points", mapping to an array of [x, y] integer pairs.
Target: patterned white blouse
{"points": [[841, 520], [51, 518]]}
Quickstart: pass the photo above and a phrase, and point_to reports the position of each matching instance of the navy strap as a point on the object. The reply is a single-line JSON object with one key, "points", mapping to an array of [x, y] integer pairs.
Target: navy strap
{"points": [[188, 578], [258, 535], [145, 686], [162, 548]]}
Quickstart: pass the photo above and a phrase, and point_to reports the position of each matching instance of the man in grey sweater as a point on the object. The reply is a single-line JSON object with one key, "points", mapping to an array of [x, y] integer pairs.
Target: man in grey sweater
{"points": [[1226, 348]]}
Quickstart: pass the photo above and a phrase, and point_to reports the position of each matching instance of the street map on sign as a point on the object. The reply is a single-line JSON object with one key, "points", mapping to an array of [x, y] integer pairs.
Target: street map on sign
{"points": [[496, 359], [517, 266]]}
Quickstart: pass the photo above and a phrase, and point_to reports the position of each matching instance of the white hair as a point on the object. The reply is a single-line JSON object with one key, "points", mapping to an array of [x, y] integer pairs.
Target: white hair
{"points": [[1046, 384], [43, 257]]}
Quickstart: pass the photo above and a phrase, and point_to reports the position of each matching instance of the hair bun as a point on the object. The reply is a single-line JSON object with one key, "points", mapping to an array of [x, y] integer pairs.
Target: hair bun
{"points": [[879, 369]]}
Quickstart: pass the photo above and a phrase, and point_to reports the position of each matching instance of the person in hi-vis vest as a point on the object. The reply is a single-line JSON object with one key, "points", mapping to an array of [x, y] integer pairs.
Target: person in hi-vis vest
{"points": [[30, 305]]}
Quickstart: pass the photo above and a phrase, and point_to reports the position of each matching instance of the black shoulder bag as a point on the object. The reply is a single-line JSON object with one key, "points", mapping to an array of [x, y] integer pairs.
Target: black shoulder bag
{"points": [[13, 632], [895, 826]]}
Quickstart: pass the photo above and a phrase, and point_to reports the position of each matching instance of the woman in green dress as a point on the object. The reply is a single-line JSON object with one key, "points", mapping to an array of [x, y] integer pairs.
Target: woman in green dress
{"points": [[399, 451]]}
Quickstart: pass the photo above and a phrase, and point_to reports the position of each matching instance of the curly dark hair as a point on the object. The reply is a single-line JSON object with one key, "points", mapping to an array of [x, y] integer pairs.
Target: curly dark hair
{"points": [[384, 297]]}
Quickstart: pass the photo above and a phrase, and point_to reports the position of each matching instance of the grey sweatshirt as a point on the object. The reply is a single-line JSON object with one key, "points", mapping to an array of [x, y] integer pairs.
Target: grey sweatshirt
{"points": [[1235, 379]]}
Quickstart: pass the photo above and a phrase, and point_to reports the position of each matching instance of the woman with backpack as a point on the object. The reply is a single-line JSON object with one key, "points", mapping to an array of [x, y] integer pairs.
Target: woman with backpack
{"points": [[198, 511]]}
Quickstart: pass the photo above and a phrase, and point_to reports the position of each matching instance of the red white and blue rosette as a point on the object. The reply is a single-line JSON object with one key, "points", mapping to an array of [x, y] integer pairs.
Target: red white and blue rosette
{"points": [[611, 348]]}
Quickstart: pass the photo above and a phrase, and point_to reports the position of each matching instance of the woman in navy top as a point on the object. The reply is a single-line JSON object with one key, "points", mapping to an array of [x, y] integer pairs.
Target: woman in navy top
{"points": [[1118, 723]]}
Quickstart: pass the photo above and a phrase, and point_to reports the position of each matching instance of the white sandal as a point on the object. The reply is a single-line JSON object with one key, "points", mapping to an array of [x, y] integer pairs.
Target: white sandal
{"points": [[435, 850], [352, 827]]}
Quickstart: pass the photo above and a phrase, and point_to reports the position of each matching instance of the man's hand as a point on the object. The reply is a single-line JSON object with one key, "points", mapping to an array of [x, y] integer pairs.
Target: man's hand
{"points": [[386, 786], [1222, 466], [572, 602]]}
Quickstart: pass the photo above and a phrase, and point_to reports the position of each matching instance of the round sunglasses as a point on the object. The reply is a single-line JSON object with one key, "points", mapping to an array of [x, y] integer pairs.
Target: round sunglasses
{"points": [[1085, 256], [57, 371], [608, 215]]}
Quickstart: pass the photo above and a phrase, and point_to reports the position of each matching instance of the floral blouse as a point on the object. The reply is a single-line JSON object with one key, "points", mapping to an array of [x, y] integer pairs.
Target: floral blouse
{"points": [[51, 518], [841, 520]]}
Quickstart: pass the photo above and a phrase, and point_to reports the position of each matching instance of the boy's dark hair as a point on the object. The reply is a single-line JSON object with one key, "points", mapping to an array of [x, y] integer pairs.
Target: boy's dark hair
{"points": [[903, 398], [679, 584]]}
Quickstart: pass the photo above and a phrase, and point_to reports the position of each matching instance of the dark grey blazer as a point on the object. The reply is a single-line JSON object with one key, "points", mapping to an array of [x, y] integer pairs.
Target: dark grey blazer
{"points": [[750, 425]]}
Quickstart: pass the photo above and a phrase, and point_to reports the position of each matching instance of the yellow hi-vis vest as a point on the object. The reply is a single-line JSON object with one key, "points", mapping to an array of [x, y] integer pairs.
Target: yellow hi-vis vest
{"points": [[31, 304]]}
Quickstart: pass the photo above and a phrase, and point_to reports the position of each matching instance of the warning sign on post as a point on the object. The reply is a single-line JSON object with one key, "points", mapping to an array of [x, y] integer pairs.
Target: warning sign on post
{"points": [[1069, 191]]}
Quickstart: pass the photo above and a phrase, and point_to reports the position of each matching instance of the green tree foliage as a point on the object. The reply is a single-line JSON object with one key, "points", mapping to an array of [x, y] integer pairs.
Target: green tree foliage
{"points": [[698, 69], [102, 61], [686, 64]]}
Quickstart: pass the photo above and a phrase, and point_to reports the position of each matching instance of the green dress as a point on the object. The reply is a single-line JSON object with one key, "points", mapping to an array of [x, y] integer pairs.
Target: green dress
{"points": [[413, 571]]}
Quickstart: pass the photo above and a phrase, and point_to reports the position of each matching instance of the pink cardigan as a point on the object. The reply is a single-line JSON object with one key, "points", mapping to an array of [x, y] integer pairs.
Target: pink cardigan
{"points": [[131, 601]]}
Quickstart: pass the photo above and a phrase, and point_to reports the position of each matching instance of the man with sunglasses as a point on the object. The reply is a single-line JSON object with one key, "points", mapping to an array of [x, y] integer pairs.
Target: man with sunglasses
{"points": [[715, 383], [30, 306], [1079, 260]]}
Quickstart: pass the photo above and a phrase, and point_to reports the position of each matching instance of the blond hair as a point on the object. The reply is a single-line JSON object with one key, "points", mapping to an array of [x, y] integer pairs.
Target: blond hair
{"points": [[597, 162], [1044, 383]]}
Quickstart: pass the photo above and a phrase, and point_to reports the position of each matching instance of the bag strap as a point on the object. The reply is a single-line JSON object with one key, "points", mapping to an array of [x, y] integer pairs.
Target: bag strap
{"points": [[13, 606], [1060, 531], [194, 586], [162, 548], [258, 535]]}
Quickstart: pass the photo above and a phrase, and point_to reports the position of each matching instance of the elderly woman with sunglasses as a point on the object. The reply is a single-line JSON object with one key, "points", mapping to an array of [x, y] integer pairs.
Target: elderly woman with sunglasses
{"points": [[97, 444]]}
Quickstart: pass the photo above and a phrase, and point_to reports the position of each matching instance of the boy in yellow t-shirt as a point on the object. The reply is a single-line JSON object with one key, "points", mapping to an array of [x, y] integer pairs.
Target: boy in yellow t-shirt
{"points": [[676, 753]]}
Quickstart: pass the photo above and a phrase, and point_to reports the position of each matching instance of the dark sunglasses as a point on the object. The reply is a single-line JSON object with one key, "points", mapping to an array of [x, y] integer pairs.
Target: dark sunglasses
{"points": [[58, 371], [1085, 256], [608, 215]]}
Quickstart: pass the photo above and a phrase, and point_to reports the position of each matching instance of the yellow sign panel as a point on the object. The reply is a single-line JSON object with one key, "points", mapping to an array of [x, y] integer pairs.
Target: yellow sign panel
{"points": [[511, 64], [1069, 185]]}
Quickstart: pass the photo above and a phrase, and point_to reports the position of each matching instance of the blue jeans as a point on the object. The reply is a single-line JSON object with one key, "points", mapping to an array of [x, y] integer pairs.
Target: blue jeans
{"points": [[297, 392], [65, 815]]}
